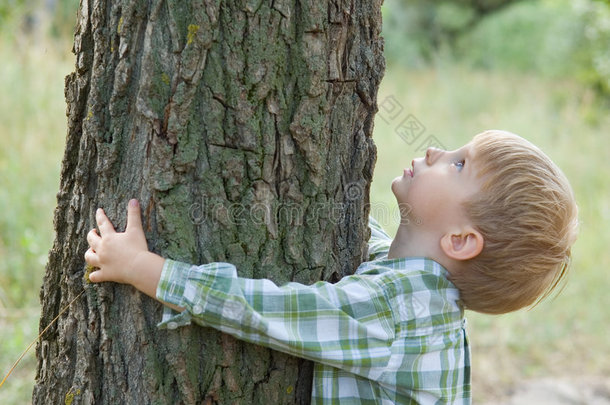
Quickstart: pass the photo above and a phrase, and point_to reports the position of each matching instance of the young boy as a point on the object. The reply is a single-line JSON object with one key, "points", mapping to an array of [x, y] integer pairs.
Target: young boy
{"points": [[496, 220]]}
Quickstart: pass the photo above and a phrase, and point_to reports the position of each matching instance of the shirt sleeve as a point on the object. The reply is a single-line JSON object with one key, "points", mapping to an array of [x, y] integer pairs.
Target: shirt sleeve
{"points": [[348, 325], [380, 241]]}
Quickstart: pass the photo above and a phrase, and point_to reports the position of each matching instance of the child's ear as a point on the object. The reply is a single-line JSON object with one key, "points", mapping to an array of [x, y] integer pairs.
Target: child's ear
{"points": [[462, 246]]}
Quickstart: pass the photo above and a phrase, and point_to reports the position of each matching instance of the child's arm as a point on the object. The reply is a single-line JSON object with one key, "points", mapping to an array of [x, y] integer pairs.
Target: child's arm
{"points": [[379, 242], [124, 257], [348, 325]]}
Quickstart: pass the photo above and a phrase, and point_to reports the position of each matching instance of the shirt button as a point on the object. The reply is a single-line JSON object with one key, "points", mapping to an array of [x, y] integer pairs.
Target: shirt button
{"points": [[172, 325], [197, 309]]}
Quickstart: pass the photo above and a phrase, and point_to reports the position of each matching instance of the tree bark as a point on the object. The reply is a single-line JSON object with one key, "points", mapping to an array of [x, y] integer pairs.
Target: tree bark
{"points": [[244, 129]]}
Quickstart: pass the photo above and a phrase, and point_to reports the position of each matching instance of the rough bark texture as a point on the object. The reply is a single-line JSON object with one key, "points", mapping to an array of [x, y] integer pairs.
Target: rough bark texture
{"points": [[244, 128]]}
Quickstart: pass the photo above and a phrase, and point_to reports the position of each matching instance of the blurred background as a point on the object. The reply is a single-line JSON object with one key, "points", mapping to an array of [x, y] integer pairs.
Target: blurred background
{"points": [[538, 68]]}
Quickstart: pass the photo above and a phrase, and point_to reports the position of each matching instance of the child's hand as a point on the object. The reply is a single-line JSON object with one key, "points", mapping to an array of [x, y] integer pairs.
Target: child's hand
{"points": [[116, 253]]}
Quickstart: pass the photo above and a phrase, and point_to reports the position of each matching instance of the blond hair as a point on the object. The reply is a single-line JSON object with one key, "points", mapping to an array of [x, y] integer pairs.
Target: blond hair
{"points": [[528, 217]]}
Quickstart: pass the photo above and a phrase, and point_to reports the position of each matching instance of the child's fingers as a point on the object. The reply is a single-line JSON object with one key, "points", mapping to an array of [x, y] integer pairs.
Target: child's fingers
{"points": [[93, 239], [96, 276], [92, 258], [134, 221], [103, 223]]}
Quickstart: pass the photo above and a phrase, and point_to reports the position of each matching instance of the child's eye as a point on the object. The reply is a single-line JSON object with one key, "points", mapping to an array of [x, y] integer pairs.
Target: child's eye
{"points": [[459, 164]]}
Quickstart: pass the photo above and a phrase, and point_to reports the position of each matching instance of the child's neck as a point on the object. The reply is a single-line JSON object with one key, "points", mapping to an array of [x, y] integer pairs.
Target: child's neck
{"points": [[417, 242], [404, 244], [414, 242]]}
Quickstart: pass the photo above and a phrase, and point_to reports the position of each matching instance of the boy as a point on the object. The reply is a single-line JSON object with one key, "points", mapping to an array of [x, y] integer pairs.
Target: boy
{"points": [[495, 223]]}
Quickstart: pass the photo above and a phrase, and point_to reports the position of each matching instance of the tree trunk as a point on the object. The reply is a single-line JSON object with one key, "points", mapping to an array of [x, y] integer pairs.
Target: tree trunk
{"points": [[244, 129]]}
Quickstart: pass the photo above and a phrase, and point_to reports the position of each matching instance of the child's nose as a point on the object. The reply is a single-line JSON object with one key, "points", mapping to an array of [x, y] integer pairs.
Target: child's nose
{"points": [[431, 154]]}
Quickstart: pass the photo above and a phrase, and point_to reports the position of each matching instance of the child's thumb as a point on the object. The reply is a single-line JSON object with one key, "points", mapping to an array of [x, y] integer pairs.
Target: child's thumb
{"points": [[134, 222], [96, 277]]}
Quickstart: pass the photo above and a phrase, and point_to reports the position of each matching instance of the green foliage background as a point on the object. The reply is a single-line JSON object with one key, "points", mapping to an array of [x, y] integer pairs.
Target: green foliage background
{"points": [[552, 38], [538, 68]]}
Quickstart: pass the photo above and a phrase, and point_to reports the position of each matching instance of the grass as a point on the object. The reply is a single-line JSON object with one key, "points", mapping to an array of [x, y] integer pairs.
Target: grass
{"points": [[562, 336], [565, 336]]}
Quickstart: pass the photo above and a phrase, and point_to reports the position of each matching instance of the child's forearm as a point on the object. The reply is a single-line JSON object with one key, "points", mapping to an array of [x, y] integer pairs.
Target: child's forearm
{"points": [[146, 273]]}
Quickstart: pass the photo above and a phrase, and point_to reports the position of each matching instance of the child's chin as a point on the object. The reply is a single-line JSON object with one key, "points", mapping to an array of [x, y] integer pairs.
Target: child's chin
{"points": [[398, 189], [394, 185], [398, 182]]}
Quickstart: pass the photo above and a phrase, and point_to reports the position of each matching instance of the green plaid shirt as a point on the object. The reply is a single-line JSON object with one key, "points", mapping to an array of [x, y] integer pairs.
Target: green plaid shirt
{"points": [[392, 333]]}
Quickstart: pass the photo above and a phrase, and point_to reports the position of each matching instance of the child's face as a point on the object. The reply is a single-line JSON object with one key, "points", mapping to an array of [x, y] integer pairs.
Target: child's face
{"points": [[433, 189]]}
